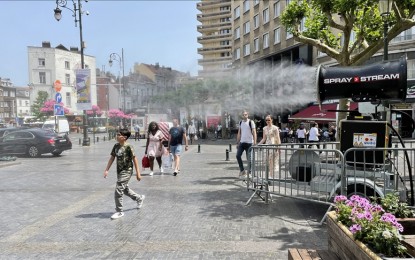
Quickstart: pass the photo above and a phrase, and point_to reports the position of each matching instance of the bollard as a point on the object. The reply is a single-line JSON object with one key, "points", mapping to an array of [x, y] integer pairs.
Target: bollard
{"points": [[227, 155], [198, 148], [104, 138], [80, 141], [97, 139], [230, 147]]}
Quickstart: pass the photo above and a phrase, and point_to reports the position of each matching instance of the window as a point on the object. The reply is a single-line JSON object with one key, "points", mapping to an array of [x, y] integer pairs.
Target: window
{"points": [[67, 65], [246, 5], [289, 35], [277, 36], [41, 62], [237, 33], [256, 21], [256, 2], [236, 13], [67, 80], [277, 9], [411, 69], [265, 15], [42, 77], [247, 27], [224, 43], [247, 49], [256, 45], [68, 99], [237, 54], [265, 40]]}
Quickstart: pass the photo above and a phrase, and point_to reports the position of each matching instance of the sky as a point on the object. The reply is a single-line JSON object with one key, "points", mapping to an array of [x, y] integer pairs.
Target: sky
{"points": [[149, 31]]}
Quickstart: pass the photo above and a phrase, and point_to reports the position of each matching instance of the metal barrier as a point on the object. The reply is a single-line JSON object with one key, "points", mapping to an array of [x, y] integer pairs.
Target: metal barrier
{"points": [[320, 174]]}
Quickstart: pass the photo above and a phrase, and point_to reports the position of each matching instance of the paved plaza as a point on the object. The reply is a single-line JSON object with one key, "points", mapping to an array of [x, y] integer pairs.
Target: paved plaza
{"points": [[60, 208]]}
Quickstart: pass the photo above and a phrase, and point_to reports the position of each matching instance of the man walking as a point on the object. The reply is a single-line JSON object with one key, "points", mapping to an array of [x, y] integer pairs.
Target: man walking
{"points": [[177, 135], [245, 139]]}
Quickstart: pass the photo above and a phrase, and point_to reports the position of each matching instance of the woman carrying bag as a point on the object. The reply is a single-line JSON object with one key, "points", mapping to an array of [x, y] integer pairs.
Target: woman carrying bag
{"points": [[154, 146]]}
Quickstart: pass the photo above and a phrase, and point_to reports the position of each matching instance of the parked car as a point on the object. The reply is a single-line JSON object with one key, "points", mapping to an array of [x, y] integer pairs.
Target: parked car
{"points": [[6, 130], [98, 129], [34, 142]]}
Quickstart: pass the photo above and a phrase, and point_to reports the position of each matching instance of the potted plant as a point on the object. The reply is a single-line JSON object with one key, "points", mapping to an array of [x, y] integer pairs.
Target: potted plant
{"points": [[359, 229]]}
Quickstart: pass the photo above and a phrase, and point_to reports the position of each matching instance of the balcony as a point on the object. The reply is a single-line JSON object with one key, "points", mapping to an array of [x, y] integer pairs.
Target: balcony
{"points": [[214, 60], [214, 38], [215, 27], [215, 15], [214, 49], [212, 4]]}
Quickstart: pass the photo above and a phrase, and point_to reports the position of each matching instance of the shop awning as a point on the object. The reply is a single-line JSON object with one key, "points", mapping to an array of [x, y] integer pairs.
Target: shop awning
{"points": [[313, 113]]}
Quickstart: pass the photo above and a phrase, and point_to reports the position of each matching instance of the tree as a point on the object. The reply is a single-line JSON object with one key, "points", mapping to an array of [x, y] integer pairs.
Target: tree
{"points": [[38, 104], [330, 24]]}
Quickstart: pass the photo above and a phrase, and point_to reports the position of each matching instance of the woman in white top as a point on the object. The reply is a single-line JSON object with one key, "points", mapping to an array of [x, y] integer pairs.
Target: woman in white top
{"points": [[313, 136], [271, 136], [301, 134]]}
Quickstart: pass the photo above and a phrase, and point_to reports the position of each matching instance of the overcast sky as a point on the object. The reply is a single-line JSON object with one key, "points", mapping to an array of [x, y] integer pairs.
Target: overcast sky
{"points": [[149, 31]]}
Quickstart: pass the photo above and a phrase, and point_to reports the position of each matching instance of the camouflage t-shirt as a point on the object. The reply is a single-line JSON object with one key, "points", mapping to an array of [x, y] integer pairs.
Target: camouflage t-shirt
{"points": [[125, 154]]}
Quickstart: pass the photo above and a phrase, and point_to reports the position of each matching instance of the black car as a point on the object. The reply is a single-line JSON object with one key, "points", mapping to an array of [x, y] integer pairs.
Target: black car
{"points": [[34, 142], [6, 130]]}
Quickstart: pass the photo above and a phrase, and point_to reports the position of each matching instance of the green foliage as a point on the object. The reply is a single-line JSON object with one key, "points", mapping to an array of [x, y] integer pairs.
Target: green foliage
{"points": [[391, 203], [38, 104], [328, 23]]}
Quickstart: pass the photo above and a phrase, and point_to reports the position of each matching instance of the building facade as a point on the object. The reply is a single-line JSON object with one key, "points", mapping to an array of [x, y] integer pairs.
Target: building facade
{"points": [[216, 38], [48, 64], [7, 102]]}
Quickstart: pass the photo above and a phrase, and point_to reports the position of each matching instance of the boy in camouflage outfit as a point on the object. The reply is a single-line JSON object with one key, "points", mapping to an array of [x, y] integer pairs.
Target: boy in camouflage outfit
{"points": [[125, 160]]}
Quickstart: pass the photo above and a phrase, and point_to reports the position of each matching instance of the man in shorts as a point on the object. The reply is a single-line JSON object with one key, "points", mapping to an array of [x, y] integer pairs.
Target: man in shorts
{"points": [[177, 135]]}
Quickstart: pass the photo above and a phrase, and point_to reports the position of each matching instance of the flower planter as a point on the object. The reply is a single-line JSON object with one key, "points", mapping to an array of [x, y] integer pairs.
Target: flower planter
{"points": [[408, 233], [342, 243]]}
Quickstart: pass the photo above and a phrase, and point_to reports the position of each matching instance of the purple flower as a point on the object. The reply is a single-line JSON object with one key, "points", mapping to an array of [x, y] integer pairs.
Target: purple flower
{"points": [[368, 216], [340, 198], [355, 228]]}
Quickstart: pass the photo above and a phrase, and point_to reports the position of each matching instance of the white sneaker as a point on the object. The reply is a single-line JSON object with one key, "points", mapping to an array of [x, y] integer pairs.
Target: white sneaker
{"points": [[151, 174], [161, 169], [140, 202], [243, 175], [117, 215]]}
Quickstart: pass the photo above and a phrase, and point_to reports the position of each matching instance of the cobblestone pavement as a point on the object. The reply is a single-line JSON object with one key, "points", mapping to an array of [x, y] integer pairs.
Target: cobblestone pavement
{"points": [[60, 208]]}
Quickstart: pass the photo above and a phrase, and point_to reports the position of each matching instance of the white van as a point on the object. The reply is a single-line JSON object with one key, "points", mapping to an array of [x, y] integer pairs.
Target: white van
{"points": [[62, 125]]}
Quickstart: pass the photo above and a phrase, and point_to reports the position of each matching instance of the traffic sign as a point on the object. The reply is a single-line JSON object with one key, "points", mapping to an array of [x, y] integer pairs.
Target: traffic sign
{"points": [[58, 97], [58, 110], [57, 85]]}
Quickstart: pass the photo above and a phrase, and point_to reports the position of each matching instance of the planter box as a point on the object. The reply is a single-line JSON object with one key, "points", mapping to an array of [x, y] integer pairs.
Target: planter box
{"points": [[342, 243]]}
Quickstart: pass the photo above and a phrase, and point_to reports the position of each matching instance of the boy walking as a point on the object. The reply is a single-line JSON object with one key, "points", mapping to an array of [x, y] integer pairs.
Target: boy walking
{"points": [[125, 160]]}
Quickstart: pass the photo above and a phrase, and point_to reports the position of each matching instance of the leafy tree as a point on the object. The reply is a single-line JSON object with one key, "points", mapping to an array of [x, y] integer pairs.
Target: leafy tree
{"points": [[330, 24], [38, 104]]}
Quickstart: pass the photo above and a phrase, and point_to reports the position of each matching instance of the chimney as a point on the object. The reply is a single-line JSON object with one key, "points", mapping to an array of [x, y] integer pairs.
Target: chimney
{"points": [[45, 44], [73, 49]]}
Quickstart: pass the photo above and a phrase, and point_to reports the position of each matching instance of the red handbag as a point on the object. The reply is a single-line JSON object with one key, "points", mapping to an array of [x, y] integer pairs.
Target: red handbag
{"points": [[145, 162]]}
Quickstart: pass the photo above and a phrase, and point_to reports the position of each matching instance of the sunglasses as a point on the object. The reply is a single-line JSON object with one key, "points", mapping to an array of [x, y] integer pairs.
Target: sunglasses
{"points": [[268, 120]]}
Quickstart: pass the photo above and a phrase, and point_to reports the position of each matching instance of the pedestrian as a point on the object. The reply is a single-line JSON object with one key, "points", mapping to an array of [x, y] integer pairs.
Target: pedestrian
{"points": [[177, 135], [126, 160], [137, 132], [218, 130], [301, 134], [314, 136], [192, 132], [271, 136], [244, 140], [332, 133], [154, 146]]}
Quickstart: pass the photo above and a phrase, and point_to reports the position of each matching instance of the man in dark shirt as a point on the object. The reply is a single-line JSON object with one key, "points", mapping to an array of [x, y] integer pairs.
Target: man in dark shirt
{"points": [[177, 135]]}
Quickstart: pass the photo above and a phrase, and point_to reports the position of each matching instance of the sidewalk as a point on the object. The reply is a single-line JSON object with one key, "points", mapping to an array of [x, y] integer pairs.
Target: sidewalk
{"points": [[63, 211]]}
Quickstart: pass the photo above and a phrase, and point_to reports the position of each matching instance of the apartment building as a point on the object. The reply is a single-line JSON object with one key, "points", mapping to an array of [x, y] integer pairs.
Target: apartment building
{"points": [[48, 64], [258, 35], [216, 38], [7, 102], [23, 102]]}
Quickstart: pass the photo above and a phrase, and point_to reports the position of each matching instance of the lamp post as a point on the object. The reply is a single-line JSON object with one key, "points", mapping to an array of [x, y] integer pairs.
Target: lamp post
{"points": [[77, 14], [120, 59], [385, 7]]}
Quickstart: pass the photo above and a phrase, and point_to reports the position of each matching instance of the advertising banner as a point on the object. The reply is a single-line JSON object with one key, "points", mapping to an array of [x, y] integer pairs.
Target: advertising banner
{"points": [[83, 89]]}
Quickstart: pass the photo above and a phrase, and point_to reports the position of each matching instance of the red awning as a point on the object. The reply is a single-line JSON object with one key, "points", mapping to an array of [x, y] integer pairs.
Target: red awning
{"points": [[313, 113]]}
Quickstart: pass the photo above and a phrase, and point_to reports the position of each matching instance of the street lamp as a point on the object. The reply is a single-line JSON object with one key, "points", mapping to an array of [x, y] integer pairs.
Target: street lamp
{"points": [[385, 7], [120, 59], [77, 14]]}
